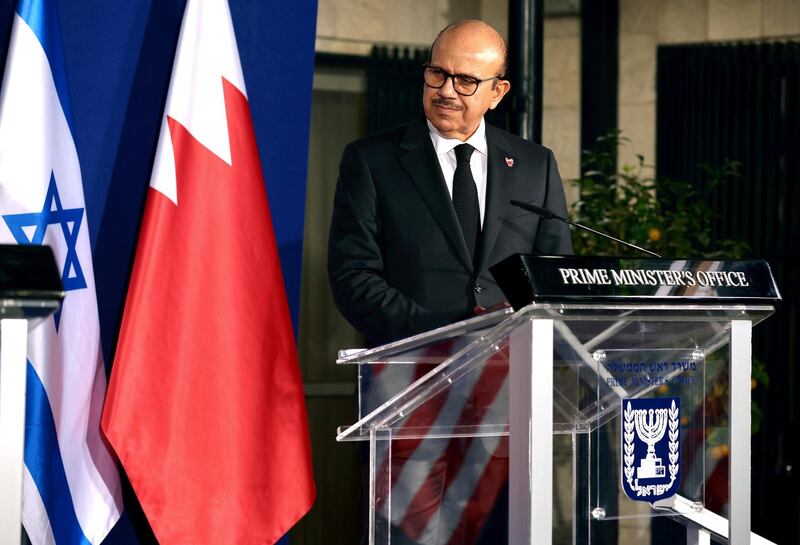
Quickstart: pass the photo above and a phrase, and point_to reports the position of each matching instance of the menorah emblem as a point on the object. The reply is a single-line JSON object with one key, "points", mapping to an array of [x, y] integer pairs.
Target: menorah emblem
{"points": [[651, 437], [650, 427]]}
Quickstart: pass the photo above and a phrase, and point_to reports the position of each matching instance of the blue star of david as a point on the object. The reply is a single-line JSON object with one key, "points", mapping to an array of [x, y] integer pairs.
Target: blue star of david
{"points": [[53, 214]]}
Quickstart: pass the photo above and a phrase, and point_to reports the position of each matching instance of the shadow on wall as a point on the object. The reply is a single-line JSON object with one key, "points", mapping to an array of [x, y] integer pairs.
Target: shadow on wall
{"points": [[118, 229]]}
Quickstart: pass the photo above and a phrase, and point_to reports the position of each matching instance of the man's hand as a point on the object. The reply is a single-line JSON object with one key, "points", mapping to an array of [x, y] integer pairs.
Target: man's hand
{"points": [[478, 310]]}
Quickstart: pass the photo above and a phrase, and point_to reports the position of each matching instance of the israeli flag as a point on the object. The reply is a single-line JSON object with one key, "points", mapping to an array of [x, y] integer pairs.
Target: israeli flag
{"points": [[71, 492]]}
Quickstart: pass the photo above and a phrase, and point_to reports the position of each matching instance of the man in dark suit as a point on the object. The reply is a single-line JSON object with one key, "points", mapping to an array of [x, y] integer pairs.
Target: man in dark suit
{"points": [[418, 218], [420, 213]]}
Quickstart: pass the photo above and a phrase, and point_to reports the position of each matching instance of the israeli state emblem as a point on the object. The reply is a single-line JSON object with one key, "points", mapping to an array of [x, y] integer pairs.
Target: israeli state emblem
{"points": [[651, 448]]}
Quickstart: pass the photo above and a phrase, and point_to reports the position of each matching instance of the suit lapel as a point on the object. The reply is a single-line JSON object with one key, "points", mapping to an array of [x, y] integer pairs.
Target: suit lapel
{"points": [[501, 178], [423, 168]]}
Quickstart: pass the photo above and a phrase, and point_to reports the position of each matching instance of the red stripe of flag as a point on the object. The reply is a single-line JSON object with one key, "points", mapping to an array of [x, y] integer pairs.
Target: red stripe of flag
{"points": [[429, 496]]}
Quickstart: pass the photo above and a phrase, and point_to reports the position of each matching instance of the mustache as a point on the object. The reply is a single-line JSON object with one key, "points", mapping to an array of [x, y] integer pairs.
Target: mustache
{"points": [[446, 103]]}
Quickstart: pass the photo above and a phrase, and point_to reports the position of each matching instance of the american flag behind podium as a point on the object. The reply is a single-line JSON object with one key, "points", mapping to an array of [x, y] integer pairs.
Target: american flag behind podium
{"points": [[205, 407], [71, 491], [444, 491]]}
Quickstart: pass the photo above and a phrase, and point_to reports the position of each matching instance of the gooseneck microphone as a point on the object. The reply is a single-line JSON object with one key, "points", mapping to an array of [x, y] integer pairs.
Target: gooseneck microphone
{"points": [[549, 215]]}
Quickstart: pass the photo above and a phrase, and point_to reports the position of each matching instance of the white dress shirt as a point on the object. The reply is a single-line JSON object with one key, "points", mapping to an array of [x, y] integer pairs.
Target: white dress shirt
{"points": [[478, 160]]}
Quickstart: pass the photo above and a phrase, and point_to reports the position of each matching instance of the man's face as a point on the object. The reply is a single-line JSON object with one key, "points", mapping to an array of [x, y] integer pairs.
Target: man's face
{"points": [[469, 52]]}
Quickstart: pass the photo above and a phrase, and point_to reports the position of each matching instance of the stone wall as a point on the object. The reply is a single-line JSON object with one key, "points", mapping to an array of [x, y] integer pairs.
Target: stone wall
{"points": [[561, 99], [354, 26]]}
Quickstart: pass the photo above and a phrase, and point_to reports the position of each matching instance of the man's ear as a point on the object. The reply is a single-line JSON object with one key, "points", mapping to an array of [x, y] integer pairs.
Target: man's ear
{"points": [[501, 88]]}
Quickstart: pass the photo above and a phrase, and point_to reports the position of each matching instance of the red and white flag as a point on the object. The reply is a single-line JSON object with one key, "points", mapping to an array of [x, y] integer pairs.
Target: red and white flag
{"points": [[205, 406]]}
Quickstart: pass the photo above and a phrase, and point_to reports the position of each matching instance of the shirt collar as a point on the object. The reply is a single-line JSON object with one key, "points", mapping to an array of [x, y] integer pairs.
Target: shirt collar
{"points": [[444, 145]]}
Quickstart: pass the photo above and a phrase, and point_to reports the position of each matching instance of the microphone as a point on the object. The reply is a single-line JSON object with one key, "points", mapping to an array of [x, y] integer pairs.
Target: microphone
{"points": [[549, 215]]}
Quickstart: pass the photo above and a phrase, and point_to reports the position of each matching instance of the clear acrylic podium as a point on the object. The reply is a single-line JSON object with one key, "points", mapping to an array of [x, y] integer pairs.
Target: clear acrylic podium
{"points": [[534, 410]]}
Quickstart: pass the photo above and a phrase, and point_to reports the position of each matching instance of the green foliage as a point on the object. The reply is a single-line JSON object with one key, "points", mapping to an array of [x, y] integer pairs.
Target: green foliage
{"points": [[669, 217]]}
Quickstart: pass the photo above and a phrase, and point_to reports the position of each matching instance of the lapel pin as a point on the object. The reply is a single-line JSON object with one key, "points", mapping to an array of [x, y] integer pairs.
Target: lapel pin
{"points": [[509, 161]]}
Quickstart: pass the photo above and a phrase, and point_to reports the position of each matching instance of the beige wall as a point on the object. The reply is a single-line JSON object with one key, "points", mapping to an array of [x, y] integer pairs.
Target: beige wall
{"points": [[645, 24], [561, 100], [353, 26]]}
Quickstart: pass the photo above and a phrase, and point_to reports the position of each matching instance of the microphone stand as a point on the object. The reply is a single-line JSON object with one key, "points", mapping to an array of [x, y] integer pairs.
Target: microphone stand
{"points": [[547, 214]]}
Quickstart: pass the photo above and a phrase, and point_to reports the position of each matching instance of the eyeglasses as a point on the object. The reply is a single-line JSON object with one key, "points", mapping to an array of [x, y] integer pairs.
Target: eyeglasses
{"points": [[463, 84]]}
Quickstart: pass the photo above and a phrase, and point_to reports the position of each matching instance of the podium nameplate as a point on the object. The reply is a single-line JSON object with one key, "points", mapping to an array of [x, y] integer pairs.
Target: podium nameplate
{"points": [[528, 278]]}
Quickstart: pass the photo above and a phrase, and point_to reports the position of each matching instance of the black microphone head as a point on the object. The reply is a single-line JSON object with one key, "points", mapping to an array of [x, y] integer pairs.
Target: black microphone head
{"points": [[544, 212]]}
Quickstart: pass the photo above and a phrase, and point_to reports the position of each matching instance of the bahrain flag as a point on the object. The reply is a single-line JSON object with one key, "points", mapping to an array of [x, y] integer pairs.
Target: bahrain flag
{"points": [[205, 406]]}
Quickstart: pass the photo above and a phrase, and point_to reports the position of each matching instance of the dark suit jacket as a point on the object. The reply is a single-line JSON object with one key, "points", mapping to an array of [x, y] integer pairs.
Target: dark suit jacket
{"points": [[397, 261]]}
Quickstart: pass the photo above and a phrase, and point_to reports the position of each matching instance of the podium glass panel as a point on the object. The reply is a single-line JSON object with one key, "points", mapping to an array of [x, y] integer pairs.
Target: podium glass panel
{"points": [[640, 417]]}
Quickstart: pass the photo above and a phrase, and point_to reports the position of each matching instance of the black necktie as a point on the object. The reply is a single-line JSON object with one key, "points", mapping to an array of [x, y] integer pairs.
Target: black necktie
{"points": [[465, 199]]}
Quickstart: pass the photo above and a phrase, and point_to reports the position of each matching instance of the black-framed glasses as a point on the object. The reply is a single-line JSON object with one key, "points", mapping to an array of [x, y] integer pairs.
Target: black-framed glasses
{"points": [[464, 85]]}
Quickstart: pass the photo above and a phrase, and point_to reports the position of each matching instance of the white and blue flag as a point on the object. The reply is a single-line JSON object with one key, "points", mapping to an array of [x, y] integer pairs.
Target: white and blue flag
{"points": [[71, 492]]}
